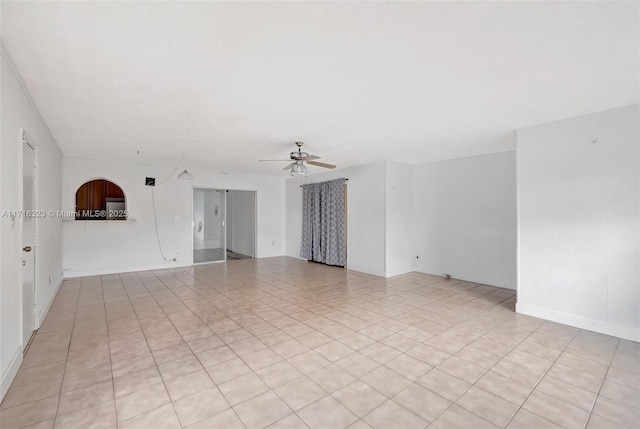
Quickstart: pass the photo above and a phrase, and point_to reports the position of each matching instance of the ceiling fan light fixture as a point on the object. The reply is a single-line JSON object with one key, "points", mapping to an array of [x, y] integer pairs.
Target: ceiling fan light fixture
{"points": [[298, 169]]}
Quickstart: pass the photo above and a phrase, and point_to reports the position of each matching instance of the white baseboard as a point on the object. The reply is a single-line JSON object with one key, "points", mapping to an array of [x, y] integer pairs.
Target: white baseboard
{"points": [[10, 373], [366, 270], [401, 271], [70, 274], [467, 279], [602, 327], [42, 312], [351, 267]]}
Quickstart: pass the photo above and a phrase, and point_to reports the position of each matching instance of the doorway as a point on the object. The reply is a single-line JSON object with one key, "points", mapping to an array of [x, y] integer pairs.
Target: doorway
{"points": [[209, 238], [224, 225], [28, 242]]}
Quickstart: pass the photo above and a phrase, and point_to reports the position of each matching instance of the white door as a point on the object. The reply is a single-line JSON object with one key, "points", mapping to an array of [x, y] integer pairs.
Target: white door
{"points": [[28, 242]]}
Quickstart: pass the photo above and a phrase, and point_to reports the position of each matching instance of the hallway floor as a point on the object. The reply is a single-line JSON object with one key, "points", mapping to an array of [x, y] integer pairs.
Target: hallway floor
{"points": [[283, 343], [214, 255]]}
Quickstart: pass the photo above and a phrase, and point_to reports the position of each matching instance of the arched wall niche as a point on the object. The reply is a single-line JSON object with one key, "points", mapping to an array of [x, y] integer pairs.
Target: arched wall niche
{"points": [[100, 199]]}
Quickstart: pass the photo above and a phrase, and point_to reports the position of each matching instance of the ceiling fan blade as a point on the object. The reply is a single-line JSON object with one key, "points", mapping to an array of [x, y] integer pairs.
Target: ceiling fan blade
{"points": [[279, 160], [321, 164], [289, 166], [311, 157]]}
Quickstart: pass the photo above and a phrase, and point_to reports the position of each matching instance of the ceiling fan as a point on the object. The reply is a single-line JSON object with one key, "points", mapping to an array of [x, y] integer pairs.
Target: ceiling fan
{"points": [[299, 158]]}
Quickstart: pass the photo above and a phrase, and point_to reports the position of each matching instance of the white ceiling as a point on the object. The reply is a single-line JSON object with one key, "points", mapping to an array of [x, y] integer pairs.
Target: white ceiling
{"points": [[230, 83]]}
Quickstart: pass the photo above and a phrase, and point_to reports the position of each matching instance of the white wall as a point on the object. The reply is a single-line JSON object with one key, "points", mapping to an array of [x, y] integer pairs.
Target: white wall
{"points": [[465, 218], [400, 222], [241, 222], [365, 217], [92, 247], [459, 216], [18, 111], [579, 222]]}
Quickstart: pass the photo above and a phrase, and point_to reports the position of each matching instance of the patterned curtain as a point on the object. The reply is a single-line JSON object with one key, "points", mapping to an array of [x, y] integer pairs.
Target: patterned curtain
{"points": [[323, 228]]}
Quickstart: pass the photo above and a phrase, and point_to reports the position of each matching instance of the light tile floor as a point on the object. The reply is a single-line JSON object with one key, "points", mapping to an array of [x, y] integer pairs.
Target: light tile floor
{"points": [[282, 343]]}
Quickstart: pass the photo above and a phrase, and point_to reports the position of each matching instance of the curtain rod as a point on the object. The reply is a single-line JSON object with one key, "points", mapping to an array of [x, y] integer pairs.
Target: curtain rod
{"points": [[312, 183]]}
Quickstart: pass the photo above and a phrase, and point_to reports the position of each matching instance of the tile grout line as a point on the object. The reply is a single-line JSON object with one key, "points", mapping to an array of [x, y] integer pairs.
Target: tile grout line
{"points": [[73, 328], [413, 382], [279, 298], [194, 354], [153, 357], [214, 333], [106, 321], [604, 380], [485, 373], [542, 377], [252, 371]]}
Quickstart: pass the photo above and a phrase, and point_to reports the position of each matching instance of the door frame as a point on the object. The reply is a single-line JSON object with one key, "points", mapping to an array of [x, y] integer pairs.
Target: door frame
{"points": [[25, 139], [255, 220]]}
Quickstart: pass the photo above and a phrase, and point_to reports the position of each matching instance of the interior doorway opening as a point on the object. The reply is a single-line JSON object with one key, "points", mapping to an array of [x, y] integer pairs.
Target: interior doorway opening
{"points": [[224, 225]]}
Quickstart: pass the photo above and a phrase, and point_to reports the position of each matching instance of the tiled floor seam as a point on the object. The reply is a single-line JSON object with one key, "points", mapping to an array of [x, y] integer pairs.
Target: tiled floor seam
{"points": [[266, 304], [604, 379], [196, 356], [541, 378], [113, 381], [154, 360], [73, 325], [484, 373]]}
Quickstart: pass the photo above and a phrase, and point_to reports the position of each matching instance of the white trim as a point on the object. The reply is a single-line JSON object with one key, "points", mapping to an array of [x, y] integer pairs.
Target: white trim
{"points": [[469, 280], [366, 270], [607, 328], [70, 273], [398, 272], [43, 311], [10, 373]]}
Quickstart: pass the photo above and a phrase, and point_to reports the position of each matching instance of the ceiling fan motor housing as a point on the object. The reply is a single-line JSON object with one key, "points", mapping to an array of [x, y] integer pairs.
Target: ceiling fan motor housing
{"points": [[298, 155]]}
